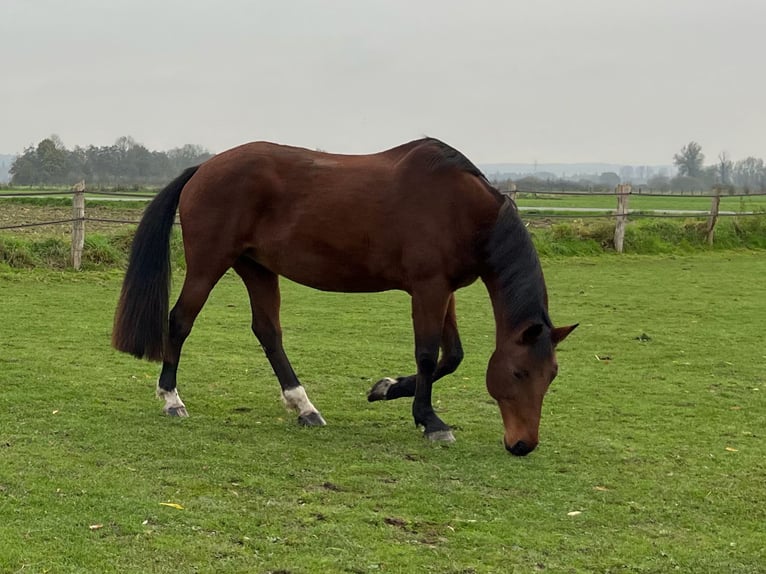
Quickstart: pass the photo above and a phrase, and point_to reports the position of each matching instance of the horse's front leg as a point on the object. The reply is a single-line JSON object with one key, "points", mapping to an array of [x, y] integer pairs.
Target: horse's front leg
{"points": [[429, 309], [451, 356]]}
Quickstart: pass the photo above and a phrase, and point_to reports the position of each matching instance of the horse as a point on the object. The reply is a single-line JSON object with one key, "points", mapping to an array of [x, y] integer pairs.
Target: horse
{"points": [[419, 217]]}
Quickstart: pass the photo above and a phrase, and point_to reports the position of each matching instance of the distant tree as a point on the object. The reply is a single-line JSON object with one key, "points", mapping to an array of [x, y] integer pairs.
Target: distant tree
{"points": [[659, 183], [609, 179], [685, 183], [627, 173], [52, 161], [749, 174], [690, 160], [187, 156], [709, 176], [126, 162], [724, 168], [26, 169], [124, 144]]}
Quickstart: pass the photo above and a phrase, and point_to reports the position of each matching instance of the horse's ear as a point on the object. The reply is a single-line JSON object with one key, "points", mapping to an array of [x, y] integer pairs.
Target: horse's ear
{"points": [[560, 333], [531, 334]]}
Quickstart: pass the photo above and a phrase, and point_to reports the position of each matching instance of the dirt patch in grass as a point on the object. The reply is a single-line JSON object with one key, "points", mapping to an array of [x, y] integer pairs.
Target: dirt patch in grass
{"points": [[17, 213]]}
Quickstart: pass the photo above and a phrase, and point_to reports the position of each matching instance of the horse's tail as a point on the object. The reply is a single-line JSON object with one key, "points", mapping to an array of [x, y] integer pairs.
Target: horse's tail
{"points": [[141, 320]]}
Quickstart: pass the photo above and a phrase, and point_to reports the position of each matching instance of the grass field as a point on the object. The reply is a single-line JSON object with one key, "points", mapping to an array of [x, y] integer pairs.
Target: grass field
{"points": [[651, 456]]}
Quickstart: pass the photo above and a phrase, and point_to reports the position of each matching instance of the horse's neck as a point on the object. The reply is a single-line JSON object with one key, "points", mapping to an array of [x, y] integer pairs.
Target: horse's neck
{"points": [[503, 326]]}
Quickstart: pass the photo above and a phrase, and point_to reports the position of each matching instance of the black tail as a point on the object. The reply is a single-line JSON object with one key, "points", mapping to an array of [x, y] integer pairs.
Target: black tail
{"points": [[141, 320]]}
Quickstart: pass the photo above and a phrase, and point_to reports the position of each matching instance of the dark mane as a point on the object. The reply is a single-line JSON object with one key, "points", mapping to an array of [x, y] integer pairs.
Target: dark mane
{"points": [[439, 155], [513, 258], [448, 156]]}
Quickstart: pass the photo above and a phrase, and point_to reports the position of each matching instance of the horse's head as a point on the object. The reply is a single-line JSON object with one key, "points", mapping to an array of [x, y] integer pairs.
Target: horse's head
{"points": [[518, 375]]}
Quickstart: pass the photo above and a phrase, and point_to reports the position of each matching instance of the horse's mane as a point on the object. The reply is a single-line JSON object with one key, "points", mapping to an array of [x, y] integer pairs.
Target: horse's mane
{"points": [[509, 249], [514, 259], [446, 156]]}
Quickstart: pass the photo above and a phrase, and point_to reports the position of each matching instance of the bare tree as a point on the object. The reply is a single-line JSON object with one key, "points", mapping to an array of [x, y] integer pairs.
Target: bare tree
{"points": [[690, 160], [724, 168]]}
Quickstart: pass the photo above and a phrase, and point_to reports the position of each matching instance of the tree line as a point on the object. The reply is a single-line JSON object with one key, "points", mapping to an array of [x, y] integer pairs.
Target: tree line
{"points": [[748, 175], [129, 163], [124, 163]]}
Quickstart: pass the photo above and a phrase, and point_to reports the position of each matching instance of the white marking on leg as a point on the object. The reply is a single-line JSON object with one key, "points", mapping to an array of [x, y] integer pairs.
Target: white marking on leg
{"points": [[173, 403], [296, 399]]}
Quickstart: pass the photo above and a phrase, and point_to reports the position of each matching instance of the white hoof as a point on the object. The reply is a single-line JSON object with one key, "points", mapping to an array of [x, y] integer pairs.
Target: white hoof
{"points": [[174, 406]]}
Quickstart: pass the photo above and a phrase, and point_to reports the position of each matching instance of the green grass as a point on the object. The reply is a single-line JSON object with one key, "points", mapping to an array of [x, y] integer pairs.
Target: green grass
{"points": [[652, 236], [657, 443]]}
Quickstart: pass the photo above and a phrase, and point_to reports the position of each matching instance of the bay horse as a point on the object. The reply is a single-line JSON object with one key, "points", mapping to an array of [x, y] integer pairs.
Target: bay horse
{"points": [[419, 217]]}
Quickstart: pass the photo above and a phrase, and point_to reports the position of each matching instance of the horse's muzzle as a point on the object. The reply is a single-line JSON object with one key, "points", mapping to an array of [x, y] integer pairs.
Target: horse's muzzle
{"points": [[520, 448]]}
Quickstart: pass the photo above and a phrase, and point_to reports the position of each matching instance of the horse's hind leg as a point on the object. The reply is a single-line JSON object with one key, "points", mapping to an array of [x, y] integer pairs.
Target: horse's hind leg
{"points": [[263, 289], [451, 356], [196, 288]]}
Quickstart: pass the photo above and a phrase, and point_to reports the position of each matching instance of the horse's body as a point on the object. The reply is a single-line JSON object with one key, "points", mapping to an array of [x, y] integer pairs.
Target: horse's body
{"points": [[419, 217]]}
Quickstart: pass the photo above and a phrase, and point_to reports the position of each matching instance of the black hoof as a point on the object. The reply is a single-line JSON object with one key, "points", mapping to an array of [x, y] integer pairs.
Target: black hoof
{"points": [[176, 412], [312, 419], [379, 390]]}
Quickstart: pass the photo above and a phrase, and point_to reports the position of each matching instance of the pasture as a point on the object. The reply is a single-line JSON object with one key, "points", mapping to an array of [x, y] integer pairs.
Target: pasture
{"points": [[651, 456]]}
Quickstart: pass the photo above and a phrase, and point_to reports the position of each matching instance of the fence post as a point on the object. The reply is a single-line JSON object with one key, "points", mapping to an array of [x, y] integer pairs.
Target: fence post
{"points": [[78, 223], [512, 193], [714, 205], [622, 191]]}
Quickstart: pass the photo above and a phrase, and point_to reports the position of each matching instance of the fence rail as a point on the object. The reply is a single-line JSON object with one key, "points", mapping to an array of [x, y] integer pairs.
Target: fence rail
{"points": [[621, 214]]}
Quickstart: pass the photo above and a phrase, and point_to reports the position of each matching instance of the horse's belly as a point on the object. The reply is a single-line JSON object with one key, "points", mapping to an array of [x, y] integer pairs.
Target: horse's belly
{"points": [[333, 271]]}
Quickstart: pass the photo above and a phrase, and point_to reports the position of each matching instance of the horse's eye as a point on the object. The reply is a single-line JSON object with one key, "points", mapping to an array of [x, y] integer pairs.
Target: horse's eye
{"points": [[520, 375]]}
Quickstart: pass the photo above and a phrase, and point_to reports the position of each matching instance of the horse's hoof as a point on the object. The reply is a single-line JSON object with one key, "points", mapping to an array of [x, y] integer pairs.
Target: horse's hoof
{"points": [[379, 390], [176, 412], [312, 419], [440, 436]]}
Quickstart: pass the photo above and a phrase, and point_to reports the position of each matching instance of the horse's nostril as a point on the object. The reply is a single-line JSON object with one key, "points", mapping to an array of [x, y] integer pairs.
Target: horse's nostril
{"points": [[520, 448]]}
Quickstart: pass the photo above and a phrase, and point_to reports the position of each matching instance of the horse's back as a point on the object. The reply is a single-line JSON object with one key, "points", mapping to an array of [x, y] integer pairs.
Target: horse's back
{"points": [[339, 222]]}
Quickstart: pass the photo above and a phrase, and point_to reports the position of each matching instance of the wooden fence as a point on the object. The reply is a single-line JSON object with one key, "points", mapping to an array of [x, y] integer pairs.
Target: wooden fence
{"points": [[79, 217], [621, 213]]}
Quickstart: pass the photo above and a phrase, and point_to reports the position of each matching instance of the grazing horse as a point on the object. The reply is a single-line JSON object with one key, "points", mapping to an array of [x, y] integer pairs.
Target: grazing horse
{"points": [[419, 217]]}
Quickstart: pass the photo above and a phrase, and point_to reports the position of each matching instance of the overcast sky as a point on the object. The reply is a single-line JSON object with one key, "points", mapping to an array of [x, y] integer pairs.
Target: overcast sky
{"points": [[618, 81]]}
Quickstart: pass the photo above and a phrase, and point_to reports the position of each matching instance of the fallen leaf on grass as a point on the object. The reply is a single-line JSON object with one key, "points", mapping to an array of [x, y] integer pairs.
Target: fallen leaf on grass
{"points": [[574, 513], [600, 488], [731, 449], [603, 357], [55, 412], [172, 505], [96, 526]]}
